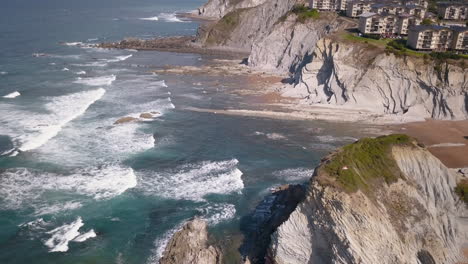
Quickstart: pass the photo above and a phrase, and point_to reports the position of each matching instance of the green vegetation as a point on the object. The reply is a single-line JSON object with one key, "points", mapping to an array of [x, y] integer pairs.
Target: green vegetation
{"points": [[223, 28], [427, 22], [376, 42], [364, 164], [303, 13], [462, 190], [398, 47]]}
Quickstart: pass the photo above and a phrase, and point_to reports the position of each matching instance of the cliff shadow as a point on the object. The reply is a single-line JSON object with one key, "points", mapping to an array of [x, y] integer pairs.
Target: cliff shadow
{"points": [[270, 213]]}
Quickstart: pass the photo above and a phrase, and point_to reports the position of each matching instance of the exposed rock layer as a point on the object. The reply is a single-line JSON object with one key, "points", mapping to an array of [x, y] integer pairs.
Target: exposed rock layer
{"points": [[418, 219], [189, 246], [354, 75]]}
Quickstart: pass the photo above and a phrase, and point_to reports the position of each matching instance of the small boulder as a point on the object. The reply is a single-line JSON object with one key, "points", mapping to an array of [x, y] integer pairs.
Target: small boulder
{"points": [[146, 115], [126, 119]]}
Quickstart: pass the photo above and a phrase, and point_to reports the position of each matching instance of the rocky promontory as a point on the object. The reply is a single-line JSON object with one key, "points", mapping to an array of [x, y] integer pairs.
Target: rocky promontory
{"points": [[190, 246], [382, 200]]}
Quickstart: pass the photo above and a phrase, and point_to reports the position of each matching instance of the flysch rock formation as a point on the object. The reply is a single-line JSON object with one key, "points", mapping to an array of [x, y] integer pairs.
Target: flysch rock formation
{"points": [[328, 71], [350, 74], [189, 246], [241, 27], [417, 219], [219, 8]]}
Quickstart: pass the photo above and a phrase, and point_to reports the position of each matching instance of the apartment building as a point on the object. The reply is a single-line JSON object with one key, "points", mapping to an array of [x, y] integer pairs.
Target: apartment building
{"points": [[405, 21], [460, 38], [415, 10], [377, 24], [452, 10], [357, 8], [325, 5], [430, 37]]}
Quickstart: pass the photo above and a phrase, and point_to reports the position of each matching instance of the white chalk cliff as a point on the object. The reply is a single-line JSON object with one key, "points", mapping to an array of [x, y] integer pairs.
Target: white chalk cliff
{"points": [[341, 73], [418, 219]]}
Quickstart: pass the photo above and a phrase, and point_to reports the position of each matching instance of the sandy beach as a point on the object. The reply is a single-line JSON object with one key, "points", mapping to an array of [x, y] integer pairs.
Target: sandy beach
{"points": [[447, 140]]}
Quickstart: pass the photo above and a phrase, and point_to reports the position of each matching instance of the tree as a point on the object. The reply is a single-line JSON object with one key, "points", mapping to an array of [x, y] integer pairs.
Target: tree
{"points": [[427, 22]]}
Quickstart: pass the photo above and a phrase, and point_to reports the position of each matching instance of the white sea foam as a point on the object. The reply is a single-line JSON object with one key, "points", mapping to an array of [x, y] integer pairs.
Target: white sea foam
{"points": [[170, 17], [12, 95], [329, 138], [35, 225], [161, 83], [3, 73], [23, 187], [74, 43], [61, 236], [65, 69], [59, 207], [155, 18], [294, 174], [85, 236], [81, 72], [97, 81], [194, 181], [92, 39], [40, 128], [217, 213], [160, 244], [272, 136], [119, 58]]}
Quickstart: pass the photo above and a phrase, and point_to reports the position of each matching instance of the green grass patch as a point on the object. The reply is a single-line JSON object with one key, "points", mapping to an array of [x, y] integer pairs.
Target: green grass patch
{"points": [[398, 47], [365, 164], [462, 190], [376, 42], [303, 13], [223, 28]]}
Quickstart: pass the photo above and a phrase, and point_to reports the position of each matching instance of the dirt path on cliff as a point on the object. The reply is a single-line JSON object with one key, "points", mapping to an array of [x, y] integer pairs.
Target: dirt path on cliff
{"points": [[447, 140]]}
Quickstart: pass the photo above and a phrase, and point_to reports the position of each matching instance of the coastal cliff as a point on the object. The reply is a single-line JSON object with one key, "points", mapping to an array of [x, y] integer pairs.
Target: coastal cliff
{"points": [[383, 200], [241, 27], [356, 75], [190, 245]]}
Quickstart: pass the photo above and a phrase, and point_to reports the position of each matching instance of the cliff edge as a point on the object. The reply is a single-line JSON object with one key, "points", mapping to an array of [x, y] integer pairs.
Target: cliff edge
{"points": [[383, 200], [358, 75]]}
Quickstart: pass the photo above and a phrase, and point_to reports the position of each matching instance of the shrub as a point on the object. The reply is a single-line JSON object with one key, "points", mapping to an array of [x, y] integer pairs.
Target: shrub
{"points": [[359, 166], [303, 13], [462, 190]]}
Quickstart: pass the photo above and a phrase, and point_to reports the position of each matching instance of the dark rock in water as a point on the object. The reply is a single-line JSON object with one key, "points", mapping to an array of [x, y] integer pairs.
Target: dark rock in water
{"points": [[126, 119], [267, 216], [189, 246]]}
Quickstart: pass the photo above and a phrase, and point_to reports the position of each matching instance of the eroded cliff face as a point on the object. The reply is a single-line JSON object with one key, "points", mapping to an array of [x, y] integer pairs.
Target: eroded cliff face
{"points": [[341, 73], [290, 44], [248, 22], [417, 219], [219, 8]]}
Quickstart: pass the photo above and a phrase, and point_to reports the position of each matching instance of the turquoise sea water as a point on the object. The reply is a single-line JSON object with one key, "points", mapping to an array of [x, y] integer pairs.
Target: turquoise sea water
{"points": [[75, 187]]}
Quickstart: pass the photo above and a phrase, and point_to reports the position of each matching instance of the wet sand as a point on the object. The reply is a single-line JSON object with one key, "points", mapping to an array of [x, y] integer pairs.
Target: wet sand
{"points": [[447, 140]]}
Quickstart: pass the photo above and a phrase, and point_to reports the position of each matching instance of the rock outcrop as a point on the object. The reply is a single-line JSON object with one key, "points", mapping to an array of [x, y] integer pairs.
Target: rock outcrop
{"points": [[219, 8], [189, 246], [291, 43], [241, 27], [351, 74], [406, 213]]}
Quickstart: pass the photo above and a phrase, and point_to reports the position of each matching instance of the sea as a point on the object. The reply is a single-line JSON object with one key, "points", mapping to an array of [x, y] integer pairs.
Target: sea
{"points": [[75, 187]]}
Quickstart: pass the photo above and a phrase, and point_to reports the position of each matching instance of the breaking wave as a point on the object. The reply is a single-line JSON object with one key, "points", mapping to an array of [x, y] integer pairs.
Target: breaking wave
{"points": [[12, 95], [23, 187], [194, 181], [97, 81], [37, 129], [66, 233], [155, 18]]}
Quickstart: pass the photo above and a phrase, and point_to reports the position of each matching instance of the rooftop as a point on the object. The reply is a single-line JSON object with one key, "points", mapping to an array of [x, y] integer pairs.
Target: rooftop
{"points": [[427, 27]]}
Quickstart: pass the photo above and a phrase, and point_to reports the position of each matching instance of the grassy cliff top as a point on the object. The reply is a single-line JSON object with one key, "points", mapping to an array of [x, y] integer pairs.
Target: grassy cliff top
{"points": [[363, 165]]}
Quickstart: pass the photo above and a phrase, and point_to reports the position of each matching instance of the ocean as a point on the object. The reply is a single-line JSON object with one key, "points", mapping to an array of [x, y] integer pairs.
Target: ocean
{"points": [[77, 188]]}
